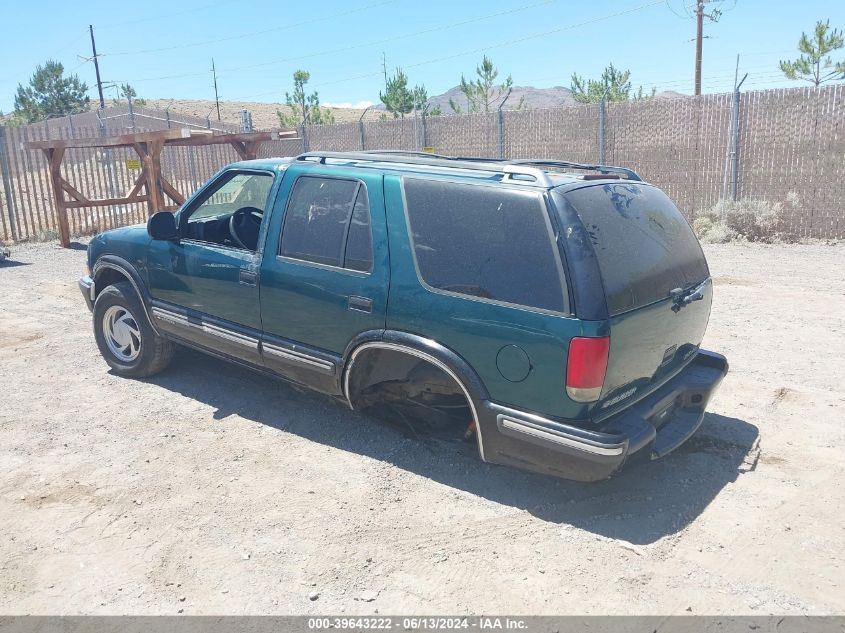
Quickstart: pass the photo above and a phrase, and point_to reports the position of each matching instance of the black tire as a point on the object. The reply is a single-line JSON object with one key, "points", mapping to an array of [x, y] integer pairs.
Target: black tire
{"points": [[145, 352]]}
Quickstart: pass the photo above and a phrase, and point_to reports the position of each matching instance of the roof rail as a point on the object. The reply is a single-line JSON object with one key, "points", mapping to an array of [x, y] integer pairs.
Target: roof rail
{"points": [[628, 174], [518, 174], [407, 152]]}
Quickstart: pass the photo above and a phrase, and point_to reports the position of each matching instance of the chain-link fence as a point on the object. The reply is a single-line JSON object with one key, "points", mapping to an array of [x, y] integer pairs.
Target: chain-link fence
{"points": [[786, 147]]}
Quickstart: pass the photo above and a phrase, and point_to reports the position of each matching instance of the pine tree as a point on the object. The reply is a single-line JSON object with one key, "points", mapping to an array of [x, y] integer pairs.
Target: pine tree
{"points": [[815, 64], [50, 94], [304, 109], [614, 85], [483, 93]]}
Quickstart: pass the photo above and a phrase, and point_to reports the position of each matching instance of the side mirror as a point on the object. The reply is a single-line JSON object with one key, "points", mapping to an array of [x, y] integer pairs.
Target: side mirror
{"points": [[162, 226]]}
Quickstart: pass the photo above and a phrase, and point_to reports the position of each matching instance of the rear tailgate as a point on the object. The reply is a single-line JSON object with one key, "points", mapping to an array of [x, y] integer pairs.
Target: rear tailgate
{"points": [[656, 284]]}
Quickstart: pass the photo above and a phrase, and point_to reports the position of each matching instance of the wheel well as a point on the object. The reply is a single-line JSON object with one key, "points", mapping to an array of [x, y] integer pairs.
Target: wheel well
{"points": [[108, 276], [394, 378]]}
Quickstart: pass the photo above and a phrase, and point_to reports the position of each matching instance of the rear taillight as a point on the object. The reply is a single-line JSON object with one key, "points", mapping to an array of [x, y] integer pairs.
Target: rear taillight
{"points": [[586, 367]]}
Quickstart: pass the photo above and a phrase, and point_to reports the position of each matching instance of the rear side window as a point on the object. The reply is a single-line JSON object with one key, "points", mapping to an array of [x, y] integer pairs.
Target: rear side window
{"points": [[487, 242], [328, 222], [643, 244]]}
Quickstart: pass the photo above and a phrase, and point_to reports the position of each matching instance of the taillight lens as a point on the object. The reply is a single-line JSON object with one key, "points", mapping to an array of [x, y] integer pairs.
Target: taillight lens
{"points": [[586, 367]]}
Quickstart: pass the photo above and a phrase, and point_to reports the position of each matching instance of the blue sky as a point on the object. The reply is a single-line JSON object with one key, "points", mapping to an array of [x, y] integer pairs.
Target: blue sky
{"points": [[164, 48]]}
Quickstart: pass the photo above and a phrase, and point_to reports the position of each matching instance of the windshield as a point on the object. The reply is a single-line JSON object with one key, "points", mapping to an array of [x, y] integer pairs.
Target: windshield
{"points": [[643, 244]]}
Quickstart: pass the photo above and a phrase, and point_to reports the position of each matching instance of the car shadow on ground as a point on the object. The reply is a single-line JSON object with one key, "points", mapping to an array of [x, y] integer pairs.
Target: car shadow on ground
{"points": [[642, 504], [11, 263]]}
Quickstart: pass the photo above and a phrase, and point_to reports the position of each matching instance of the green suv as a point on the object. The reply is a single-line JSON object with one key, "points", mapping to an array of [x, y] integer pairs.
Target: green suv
{"points": [[551, 310]]}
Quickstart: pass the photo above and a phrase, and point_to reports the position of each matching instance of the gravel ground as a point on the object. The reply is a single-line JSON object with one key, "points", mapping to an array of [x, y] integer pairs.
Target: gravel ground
{"points": [[211, 489]]}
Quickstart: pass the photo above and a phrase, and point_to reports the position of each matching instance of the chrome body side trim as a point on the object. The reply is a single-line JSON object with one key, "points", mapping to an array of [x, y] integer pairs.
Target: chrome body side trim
{"points": [[424, 356], [298, 357], [207, 328]]}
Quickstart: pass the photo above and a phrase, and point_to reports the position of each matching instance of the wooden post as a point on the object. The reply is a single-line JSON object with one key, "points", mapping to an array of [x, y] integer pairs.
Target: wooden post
{"points": [[54, 158]]}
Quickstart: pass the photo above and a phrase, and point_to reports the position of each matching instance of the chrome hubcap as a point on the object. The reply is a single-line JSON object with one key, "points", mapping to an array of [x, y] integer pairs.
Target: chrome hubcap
{"points": [[122, 334]]}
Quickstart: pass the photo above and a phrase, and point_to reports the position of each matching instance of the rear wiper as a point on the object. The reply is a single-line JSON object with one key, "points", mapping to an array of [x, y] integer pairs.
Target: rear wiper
{"points": [[681, 297]]}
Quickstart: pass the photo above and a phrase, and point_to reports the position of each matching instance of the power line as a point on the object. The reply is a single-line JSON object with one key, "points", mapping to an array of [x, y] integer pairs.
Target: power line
{"points": [[172, 14], [501, 44], [394, 38], [345, 49], [253, 33]]}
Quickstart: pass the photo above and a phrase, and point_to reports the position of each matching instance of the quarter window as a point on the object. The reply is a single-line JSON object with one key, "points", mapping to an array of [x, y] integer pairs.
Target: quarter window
{"points": [[487, 242], [328, 222]]}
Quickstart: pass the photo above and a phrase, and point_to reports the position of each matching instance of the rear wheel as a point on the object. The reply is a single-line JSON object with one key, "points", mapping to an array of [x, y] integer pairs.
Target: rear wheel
{"points": [[125, 337]]}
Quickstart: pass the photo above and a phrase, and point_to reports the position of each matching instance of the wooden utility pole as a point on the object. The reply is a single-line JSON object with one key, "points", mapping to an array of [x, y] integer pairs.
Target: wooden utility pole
{"points": [[97, 67], [699, 36], [713, 16], [216, 96]]}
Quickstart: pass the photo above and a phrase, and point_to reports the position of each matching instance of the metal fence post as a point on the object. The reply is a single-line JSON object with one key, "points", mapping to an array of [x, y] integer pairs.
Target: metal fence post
{"points": [[734, 155], [500, 125], [424, 131], [500, 132], [303, 134], [131, 112], [167, 116], [7, 182], [602, 124], [361, 133]]}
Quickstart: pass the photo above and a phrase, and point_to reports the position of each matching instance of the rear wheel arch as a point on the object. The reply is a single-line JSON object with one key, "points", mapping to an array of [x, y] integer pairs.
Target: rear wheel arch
{"points": [[397, 354]]}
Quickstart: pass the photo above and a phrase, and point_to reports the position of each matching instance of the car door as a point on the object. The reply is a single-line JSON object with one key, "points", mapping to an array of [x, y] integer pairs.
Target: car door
{"points": [[205, 285], [325, 273]]}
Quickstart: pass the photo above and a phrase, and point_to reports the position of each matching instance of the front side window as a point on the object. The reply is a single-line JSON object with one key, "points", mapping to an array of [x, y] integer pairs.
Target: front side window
{"points": [[239, 191], [231, 212], [487, 242], [328, 222]]}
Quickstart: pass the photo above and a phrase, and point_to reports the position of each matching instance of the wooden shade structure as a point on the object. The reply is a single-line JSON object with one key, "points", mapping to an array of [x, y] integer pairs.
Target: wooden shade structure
{"points": [[150, 186]]}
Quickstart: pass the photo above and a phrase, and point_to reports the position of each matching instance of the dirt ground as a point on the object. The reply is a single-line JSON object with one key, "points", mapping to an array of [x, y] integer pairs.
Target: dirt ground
{"points": [[210, 489]]}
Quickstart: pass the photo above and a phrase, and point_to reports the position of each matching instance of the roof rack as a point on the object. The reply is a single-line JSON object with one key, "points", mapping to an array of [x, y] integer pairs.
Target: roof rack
{"points": [[628, 174], [519, 171], [518, 174]]}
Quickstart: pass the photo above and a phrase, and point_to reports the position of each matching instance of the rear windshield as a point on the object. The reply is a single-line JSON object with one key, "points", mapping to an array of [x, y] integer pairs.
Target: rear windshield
{"points": [[643, 244]]}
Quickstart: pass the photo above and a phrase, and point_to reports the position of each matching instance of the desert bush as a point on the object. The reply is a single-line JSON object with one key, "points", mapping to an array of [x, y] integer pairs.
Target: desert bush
{"points": [[45, 235], [752, 219], [710, 232]]}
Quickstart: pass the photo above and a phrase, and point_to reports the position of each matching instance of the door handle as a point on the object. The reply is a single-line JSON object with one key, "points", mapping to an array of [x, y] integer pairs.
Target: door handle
{"points": [[360, 304], [247, 277]]}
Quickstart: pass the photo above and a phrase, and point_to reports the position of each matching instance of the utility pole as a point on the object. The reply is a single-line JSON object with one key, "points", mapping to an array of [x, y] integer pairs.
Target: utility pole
{"points": [[384, 68], [97, 68], [699, 37], [216, 96]]}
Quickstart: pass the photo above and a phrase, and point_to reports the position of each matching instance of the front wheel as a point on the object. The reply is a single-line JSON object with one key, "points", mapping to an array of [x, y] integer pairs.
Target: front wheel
{"points": [[124, 336]]}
